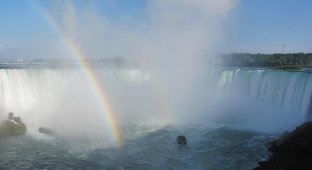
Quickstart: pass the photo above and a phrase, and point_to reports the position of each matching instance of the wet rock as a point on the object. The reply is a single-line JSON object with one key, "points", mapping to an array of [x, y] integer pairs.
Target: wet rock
{"points": [[12, 126], [291, 151], [181, 140], [45, 130], [10, 116]]}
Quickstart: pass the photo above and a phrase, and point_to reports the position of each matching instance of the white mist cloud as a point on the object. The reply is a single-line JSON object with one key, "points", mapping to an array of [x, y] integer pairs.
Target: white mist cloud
{"points": [[170, 42], [170, 28]]}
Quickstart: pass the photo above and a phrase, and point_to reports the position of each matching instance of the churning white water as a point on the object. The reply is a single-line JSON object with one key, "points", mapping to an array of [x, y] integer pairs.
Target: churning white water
{"points": [[269, 100], [238, 110], [37, 95], [289, 90]]}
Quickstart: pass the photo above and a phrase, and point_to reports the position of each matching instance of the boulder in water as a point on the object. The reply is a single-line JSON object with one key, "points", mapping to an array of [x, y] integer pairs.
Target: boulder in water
{"points": [[10, 116], [45, 130], [12, 126], [181, 140]]}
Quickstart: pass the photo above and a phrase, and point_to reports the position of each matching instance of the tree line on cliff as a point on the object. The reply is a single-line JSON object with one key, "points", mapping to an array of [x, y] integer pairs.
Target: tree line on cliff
{"points": [[277, 60]]}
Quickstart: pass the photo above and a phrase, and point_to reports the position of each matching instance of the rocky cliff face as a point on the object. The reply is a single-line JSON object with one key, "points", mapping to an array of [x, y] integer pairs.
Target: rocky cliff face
{"points": [[291, 151]]}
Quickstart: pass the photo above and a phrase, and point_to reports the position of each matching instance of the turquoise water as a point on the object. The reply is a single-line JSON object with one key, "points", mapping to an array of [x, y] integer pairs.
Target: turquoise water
{"points": [[236, 112], [208, 148]]}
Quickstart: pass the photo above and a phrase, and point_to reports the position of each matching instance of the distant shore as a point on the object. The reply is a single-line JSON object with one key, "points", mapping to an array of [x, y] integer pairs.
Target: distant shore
{"points": [[277, 61], [290, 61]]}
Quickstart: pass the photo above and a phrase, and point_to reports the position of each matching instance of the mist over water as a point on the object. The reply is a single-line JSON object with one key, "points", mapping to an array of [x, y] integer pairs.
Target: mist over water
{"points": [[170, 84], [166, 89], [169, 43], [229, 129], [60, 99]]}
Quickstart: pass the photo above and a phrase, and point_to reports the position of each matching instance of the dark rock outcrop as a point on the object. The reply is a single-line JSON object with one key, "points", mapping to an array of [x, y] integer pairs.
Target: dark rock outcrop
{"points": [[291, 151], [181, 140], [12, 126], [45, 130]]}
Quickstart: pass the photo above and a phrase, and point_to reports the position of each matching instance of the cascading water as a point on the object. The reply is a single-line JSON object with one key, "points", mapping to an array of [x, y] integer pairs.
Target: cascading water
{"points": [[266, 100], [22, 89], [52, 97], [60, 99], [26, 90], [289, 90]]}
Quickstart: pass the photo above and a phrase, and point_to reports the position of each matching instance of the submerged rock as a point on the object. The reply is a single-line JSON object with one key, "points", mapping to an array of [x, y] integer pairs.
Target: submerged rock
{"points": [[12, 126], [45, 130], [181, 140], [291, 151]]}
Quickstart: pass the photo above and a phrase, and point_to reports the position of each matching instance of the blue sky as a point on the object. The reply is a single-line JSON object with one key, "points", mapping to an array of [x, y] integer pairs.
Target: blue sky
{"points": [[257, 26], [266, 25]]}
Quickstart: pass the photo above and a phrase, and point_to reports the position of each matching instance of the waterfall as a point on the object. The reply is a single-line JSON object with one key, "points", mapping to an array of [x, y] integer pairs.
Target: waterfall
{"points": [[288, 90], [22, 89], [39, 95]]}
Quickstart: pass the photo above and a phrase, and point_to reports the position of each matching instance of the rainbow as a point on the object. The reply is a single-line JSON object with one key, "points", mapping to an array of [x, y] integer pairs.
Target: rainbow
{"points": [[96, 87]]}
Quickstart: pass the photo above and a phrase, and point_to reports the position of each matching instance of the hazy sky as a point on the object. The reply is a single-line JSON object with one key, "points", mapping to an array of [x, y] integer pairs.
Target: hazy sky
{"points": [[258, 26]]}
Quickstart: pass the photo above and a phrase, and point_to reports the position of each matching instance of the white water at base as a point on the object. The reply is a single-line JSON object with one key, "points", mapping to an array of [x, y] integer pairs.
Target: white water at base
{"points": [[266, 100], [289, 90], [61, 100], [42, 95]]}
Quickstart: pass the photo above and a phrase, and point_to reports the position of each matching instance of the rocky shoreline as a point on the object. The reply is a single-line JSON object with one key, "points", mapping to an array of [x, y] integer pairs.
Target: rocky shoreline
{"points": [[290, 151]]}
